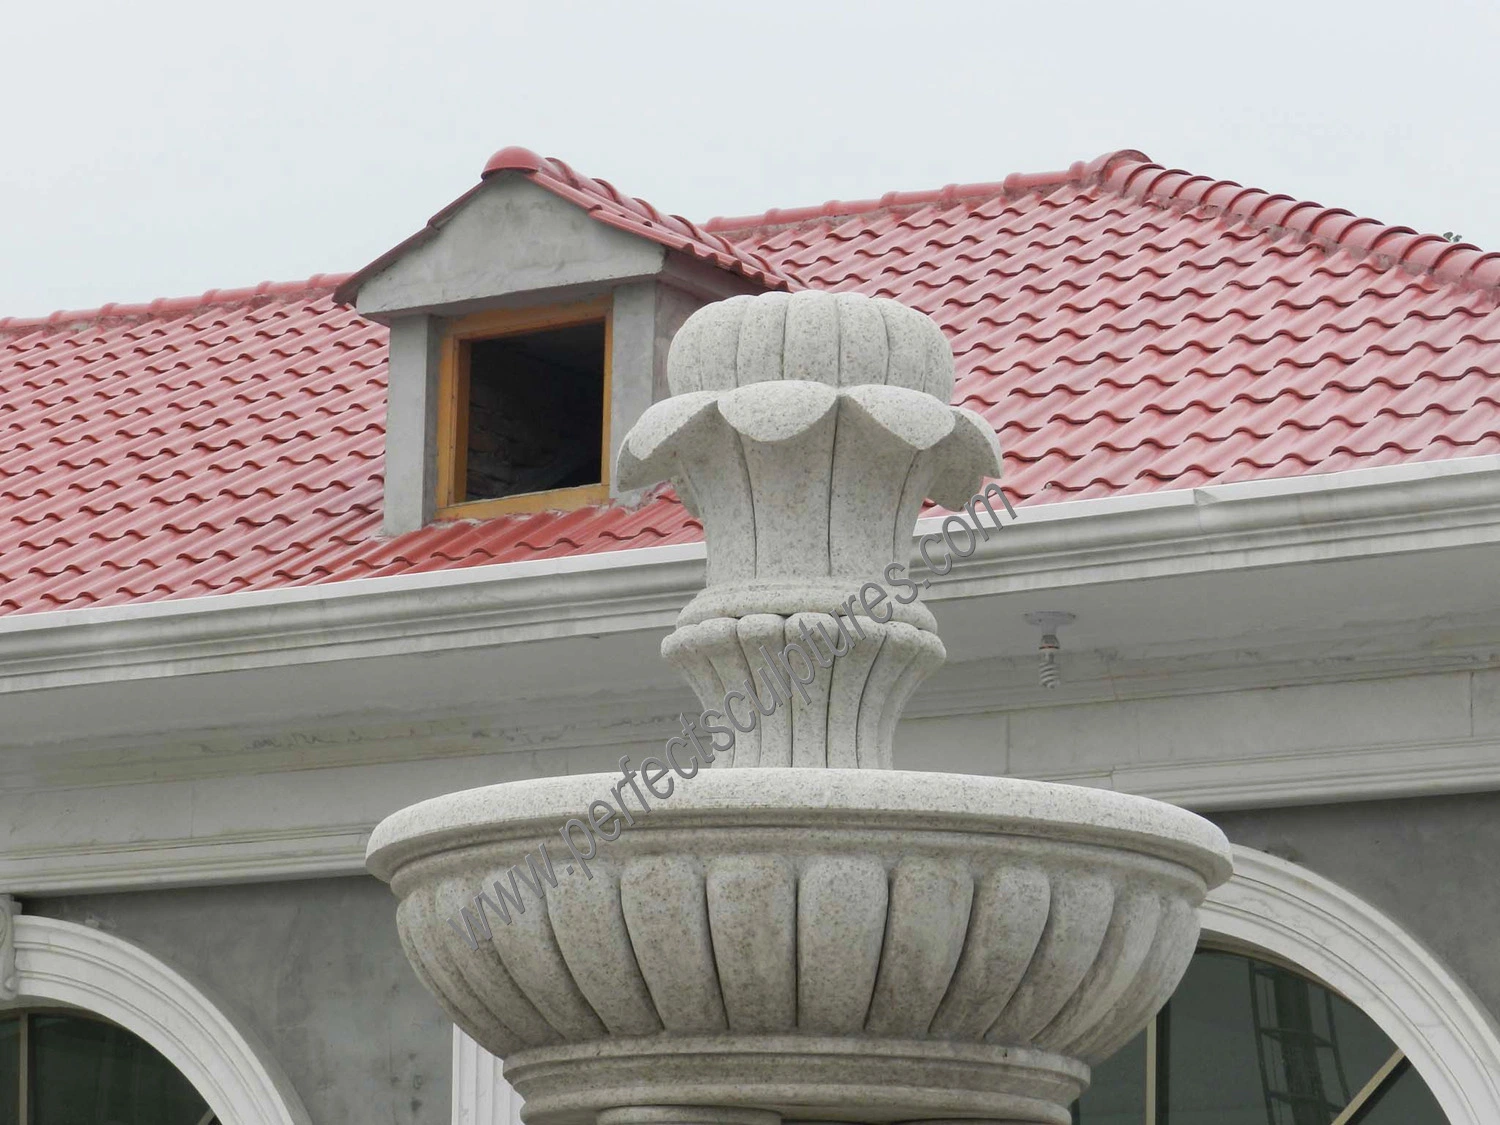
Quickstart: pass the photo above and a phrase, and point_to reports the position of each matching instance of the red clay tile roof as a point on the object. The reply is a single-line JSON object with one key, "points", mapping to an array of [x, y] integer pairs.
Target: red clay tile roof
{"points": [[1126, 329]]}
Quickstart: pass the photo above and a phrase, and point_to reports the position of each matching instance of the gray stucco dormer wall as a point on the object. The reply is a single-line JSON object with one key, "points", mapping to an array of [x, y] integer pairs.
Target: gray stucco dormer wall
{"points": [[513, 244]]}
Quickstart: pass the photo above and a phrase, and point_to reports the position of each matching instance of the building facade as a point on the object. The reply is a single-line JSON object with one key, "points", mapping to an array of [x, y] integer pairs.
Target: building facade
{"points": [[275, 563]]}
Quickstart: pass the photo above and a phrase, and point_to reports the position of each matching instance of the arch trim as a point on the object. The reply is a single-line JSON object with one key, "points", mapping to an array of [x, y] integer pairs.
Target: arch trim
{"points": [[65, 963], [1411, 995]]}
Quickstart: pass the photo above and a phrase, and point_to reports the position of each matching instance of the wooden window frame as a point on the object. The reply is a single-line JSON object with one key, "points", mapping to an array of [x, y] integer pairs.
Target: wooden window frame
{"points": [[453, 410]]}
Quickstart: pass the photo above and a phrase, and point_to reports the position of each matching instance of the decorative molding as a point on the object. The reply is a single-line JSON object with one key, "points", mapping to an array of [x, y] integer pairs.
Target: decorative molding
{"points": [[1345, 942], [1400, 509], [1304, 777], [64, 963], [245, 857], [481, 1095], [518, 727]]}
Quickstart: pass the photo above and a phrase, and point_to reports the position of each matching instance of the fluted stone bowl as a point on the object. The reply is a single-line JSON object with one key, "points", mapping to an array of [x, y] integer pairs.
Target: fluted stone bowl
{"points": [[857, 945]]}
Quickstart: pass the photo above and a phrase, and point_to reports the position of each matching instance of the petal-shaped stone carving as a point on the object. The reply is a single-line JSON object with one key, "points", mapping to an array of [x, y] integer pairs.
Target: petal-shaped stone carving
{"points": [[703, 353], [1010, 910], [777, 412], [589, 924], [907, 657], [1126, 945], [840, 339], [689, 650], [864, 354], [832, 426], [760, 353], [728, 684], [810, 349], [919, 356], [528, 948], [667, 916], [439, 967], [663, 422], [479, 983], [841, 903], [1176, 939], [915, 418], [929, 916], [834, 699], [1080, 913], [846, 693], [760, 637], [963, 462], [752, 910]]}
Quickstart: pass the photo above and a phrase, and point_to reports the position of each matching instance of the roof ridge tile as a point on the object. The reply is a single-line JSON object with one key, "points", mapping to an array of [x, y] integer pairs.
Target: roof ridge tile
{"points": [[1463, 264], [319, 283], [1013, 186]]}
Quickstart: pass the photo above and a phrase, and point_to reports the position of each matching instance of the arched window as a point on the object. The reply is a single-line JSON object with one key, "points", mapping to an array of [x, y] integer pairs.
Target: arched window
{"points": [[67, 1068], [1248, 1040]]}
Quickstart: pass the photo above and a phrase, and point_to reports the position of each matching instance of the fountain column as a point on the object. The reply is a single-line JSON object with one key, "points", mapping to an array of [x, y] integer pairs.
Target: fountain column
{"points": [[803, 933]]}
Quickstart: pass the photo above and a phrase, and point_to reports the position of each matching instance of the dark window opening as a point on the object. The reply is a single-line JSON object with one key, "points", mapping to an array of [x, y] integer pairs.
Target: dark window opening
{"points": [[536, 412], [1249, 1042], [61, 1068]]}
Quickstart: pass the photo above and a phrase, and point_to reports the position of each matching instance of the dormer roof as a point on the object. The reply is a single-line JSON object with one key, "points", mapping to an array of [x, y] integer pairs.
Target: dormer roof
{"points": [[602, 202]]}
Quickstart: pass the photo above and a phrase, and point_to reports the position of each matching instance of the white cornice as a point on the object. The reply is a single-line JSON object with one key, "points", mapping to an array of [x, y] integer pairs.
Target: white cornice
{"points": [[1398, 509], [587, 594], [1320, 518]]}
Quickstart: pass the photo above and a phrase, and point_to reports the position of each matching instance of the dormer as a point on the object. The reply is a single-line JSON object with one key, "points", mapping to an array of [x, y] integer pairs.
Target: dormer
{"points": [[529, 325]]}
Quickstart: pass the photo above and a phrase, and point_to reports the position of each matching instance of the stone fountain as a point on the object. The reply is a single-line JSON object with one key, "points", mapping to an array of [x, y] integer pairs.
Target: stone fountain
{"points": [[803, 933]]}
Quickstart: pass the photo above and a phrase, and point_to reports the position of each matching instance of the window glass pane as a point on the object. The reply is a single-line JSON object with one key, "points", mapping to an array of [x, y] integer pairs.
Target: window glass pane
{"points": [[89, 1073], [1361, 1047], [10, 1067], [1117, 1095], [1406, 1102], [1245, 1042], [1213, 1077]]}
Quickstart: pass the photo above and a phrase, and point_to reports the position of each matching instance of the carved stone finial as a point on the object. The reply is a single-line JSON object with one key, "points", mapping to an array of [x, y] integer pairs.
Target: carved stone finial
{"points": [[806, 430]]}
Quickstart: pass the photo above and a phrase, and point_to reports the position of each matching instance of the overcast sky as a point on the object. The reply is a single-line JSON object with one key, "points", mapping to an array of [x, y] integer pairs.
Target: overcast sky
{"points": [[162, 149]]}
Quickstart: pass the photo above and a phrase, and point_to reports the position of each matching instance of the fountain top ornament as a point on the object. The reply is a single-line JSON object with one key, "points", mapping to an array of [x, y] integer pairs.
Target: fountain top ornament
{"points": [[806, 431]]}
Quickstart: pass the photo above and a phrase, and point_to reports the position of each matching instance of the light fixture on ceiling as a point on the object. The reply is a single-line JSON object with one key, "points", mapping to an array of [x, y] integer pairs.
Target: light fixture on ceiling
{"points": [[1049, 621]]}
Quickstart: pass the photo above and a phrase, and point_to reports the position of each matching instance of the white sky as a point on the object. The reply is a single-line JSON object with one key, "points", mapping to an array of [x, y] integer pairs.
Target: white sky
{"points": [[156, 149]]}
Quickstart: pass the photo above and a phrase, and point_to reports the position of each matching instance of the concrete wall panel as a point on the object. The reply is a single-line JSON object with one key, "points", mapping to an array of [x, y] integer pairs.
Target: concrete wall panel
{"points": [[316, 970]]}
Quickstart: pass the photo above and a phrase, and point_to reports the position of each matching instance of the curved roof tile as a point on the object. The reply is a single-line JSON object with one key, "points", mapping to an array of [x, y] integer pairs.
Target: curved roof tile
{"points": [[1123, 326]]}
